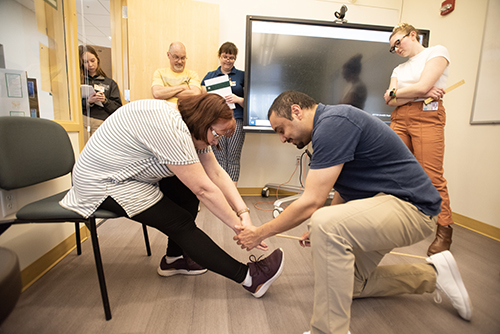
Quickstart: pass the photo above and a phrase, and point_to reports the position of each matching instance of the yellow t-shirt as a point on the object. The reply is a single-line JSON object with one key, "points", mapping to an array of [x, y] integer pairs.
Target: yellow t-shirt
{"points": [[167, 78]]}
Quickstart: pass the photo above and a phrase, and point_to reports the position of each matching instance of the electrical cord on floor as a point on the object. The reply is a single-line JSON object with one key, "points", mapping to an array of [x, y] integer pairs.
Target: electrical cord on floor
{"points": [[305, 165]]}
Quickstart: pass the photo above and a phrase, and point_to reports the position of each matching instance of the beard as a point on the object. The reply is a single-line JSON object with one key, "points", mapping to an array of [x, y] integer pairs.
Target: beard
{"points": [[179, 68]]}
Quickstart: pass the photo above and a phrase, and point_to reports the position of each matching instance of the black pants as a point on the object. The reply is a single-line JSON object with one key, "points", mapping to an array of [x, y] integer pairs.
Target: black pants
{"points": [[175, 215]]}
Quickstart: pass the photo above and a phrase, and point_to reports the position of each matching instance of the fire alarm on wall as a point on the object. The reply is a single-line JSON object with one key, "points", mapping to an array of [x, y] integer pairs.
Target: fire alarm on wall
{"points": [[447, 7]]}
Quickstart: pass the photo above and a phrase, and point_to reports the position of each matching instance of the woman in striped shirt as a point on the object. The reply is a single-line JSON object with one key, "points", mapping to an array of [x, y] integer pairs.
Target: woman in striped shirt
{"points": [[154, 163]]}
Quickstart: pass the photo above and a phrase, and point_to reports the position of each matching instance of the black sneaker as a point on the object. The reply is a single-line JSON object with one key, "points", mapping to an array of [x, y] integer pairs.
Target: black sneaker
{"points": [[183, 266], [264, 272]]}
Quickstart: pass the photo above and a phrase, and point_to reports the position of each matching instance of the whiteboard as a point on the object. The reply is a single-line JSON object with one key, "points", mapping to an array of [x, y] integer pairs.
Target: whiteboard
{"points": [[485, 108]]}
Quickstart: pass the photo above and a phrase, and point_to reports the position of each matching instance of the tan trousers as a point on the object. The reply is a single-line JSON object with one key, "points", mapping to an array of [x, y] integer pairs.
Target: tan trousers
{"points": [[423, 133], [94, 124], [348, 242]]}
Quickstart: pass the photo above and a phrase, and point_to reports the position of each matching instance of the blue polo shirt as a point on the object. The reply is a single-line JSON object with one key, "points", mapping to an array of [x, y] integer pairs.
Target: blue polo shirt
{"points": [[237, 79], [375, 158]]}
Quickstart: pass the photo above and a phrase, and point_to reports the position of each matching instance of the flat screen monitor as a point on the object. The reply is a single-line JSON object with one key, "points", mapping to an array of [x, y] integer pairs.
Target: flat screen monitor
{"points": [[331, 62]]}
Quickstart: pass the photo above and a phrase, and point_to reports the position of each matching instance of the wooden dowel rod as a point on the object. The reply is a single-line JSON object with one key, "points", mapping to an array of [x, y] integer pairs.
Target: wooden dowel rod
{"points": [[287, 236], [447, 90], [409, 255]]}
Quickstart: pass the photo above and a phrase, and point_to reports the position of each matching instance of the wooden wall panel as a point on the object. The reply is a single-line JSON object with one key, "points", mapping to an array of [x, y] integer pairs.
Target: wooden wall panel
{"points": [[154, 24], [119, 46]]}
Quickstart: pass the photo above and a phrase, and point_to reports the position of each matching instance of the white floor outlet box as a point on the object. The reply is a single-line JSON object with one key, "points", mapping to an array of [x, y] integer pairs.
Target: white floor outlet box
{"points": [[8, 202]]}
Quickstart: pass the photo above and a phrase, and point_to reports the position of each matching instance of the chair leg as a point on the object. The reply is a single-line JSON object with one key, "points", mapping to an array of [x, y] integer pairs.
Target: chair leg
{"points": [[78, 240], [100, 271], [146, 239]]}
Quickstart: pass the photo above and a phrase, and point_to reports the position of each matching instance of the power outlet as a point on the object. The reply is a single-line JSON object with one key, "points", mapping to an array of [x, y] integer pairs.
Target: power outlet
{"points": [[9, 202]]}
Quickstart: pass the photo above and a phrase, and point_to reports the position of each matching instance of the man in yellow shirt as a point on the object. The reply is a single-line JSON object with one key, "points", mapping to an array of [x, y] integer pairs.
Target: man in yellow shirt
{"points": [[175, 81]]}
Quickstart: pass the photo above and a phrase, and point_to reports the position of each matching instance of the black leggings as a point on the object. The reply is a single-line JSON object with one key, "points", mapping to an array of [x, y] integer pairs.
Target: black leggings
{"points": [[175, 215]]}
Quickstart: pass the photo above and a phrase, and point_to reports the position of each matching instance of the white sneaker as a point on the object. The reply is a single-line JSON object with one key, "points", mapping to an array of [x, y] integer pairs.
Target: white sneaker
{"points": [[449, 281]]}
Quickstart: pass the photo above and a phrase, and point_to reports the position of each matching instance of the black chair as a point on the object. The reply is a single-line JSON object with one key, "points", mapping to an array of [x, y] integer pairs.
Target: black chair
{"points": [[34, 150]]}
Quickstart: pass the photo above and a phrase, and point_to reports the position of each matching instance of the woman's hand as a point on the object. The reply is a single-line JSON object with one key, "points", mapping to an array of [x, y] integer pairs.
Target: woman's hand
{"points": [[387, 97], [248, 238], [234, 99], [436, 93], [245, 222], [97, 97]]}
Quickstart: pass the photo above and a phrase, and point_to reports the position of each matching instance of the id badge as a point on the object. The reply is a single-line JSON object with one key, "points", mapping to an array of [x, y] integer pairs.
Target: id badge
{"points": [[433, 106]]}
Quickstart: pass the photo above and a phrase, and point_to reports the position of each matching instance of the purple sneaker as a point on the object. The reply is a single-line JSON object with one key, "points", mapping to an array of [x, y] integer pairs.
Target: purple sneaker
{"points": [[264, 272], [184, 266]]}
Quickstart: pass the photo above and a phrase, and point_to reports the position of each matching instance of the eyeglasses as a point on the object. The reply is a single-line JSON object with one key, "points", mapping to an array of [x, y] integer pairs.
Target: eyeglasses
{"points": [[216, 135], [177, 58], [230, 58], [397, 43], [227, 134]]}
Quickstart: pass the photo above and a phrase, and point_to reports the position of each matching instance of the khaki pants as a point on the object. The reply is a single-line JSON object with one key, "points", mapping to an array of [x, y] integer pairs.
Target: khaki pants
{"points": [[423, 133], [348, 242], [94, 124]]}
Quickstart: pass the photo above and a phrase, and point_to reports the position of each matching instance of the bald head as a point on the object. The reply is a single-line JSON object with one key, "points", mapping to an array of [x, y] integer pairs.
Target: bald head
{"points": [[177, 56], [176, 46]]}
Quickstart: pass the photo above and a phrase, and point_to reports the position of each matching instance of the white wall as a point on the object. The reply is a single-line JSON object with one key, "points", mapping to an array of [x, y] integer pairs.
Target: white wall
{"points": [[20, 38], [472, 157]]}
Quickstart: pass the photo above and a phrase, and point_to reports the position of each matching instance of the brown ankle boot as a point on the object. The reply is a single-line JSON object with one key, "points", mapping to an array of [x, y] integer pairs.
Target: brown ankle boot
{"points": [[442, 241]]}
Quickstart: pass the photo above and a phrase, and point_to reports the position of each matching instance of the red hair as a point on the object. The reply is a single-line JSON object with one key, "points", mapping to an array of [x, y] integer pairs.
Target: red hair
{"points": [[199, 112]]}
